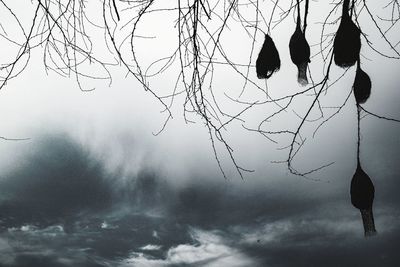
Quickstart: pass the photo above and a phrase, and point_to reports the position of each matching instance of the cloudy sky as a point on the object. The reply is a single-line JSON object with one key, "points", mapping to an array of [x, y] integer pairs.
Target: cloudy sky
{"points": [[92, 186]]}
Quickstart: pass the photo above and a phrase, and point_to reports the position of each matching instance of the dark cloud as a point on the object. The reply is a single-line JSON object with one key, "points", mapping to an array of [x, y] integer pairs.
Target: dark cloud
{"points": [[321, 247], [56, 180], [48, 261], [218, 204], [61, 207]]}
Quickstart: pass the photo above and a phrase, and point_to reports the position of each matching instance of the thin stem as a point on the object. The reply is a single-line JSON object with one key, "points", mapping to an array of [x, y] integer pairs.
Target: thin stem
{"points": [[305, 17], [298, 12], [358, 133], [116, 10], [345, 10]]}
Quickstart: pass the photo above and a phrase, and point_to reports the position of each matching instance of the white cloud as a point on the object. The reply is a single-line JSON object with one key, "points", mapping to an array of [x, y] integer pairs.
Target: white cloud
{"points": [[27, 228], [106, 225], [210, 250], [151, 247], [50, 231]]}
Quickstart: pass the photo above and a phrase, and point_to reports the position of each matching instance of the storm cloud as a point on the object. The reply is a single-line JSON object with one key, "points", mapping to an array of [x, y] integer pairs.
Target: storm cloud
{"points": [[61, 207]]}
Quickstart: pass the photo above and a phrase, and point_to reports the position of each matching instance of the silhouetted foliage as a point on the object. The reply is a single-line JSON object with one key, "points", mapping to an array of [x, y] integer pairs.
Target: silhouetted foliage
{"points": [[268, 60], [88, 40]]}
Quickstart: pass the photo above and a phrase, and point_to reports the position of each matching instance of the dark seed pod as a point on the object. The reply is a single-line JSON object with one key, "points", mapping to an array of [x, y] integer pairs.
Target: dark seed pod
{"points": [[300, 53], [362, 196], [361, 86], [347, 43], [361, 190], [268, 60]]}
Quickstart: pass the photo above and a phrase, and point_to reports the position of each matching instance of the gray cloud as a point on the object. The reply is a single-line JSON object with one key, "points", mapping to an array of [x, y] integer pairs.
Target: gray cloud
{"points": [[56, 180], [62, 207]]}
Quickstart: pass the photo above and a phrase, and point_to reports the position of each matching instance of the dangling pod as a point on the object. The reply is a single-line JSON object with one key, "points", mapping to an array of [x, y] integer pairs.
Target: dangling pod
{"points": [[268, 61], [347, 43], [361, 86], [300, 51]]}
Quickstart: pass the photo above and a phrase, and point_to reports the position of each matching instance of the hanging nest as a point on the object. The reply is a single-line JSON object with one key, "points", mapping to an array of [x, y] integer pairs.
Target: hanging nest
{"points": [[362, 196], [361, 86], [268, 60], [347, 43], [300, 53], [361, 190]]}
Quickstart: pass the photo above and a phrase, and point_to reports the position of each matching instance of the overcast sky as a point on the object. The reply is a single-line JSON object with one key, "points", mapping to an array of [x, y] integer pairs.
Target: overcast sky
{"points": [[94, 187]]}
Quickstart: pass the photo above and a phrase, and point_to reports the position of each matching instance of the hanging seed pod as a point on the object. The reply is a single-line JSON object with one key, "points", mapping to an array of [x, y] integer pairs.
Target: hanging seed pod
{"points": [[300, 53], [268, 60], [362, 196], [361, 86], [347, 43]]}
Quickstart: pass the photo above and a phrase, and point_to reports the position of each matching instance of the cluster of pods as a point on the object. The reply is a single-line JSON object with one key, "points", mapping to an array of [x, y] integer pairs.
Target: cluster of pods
{"points": [[346, 52], [268, 60]]}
